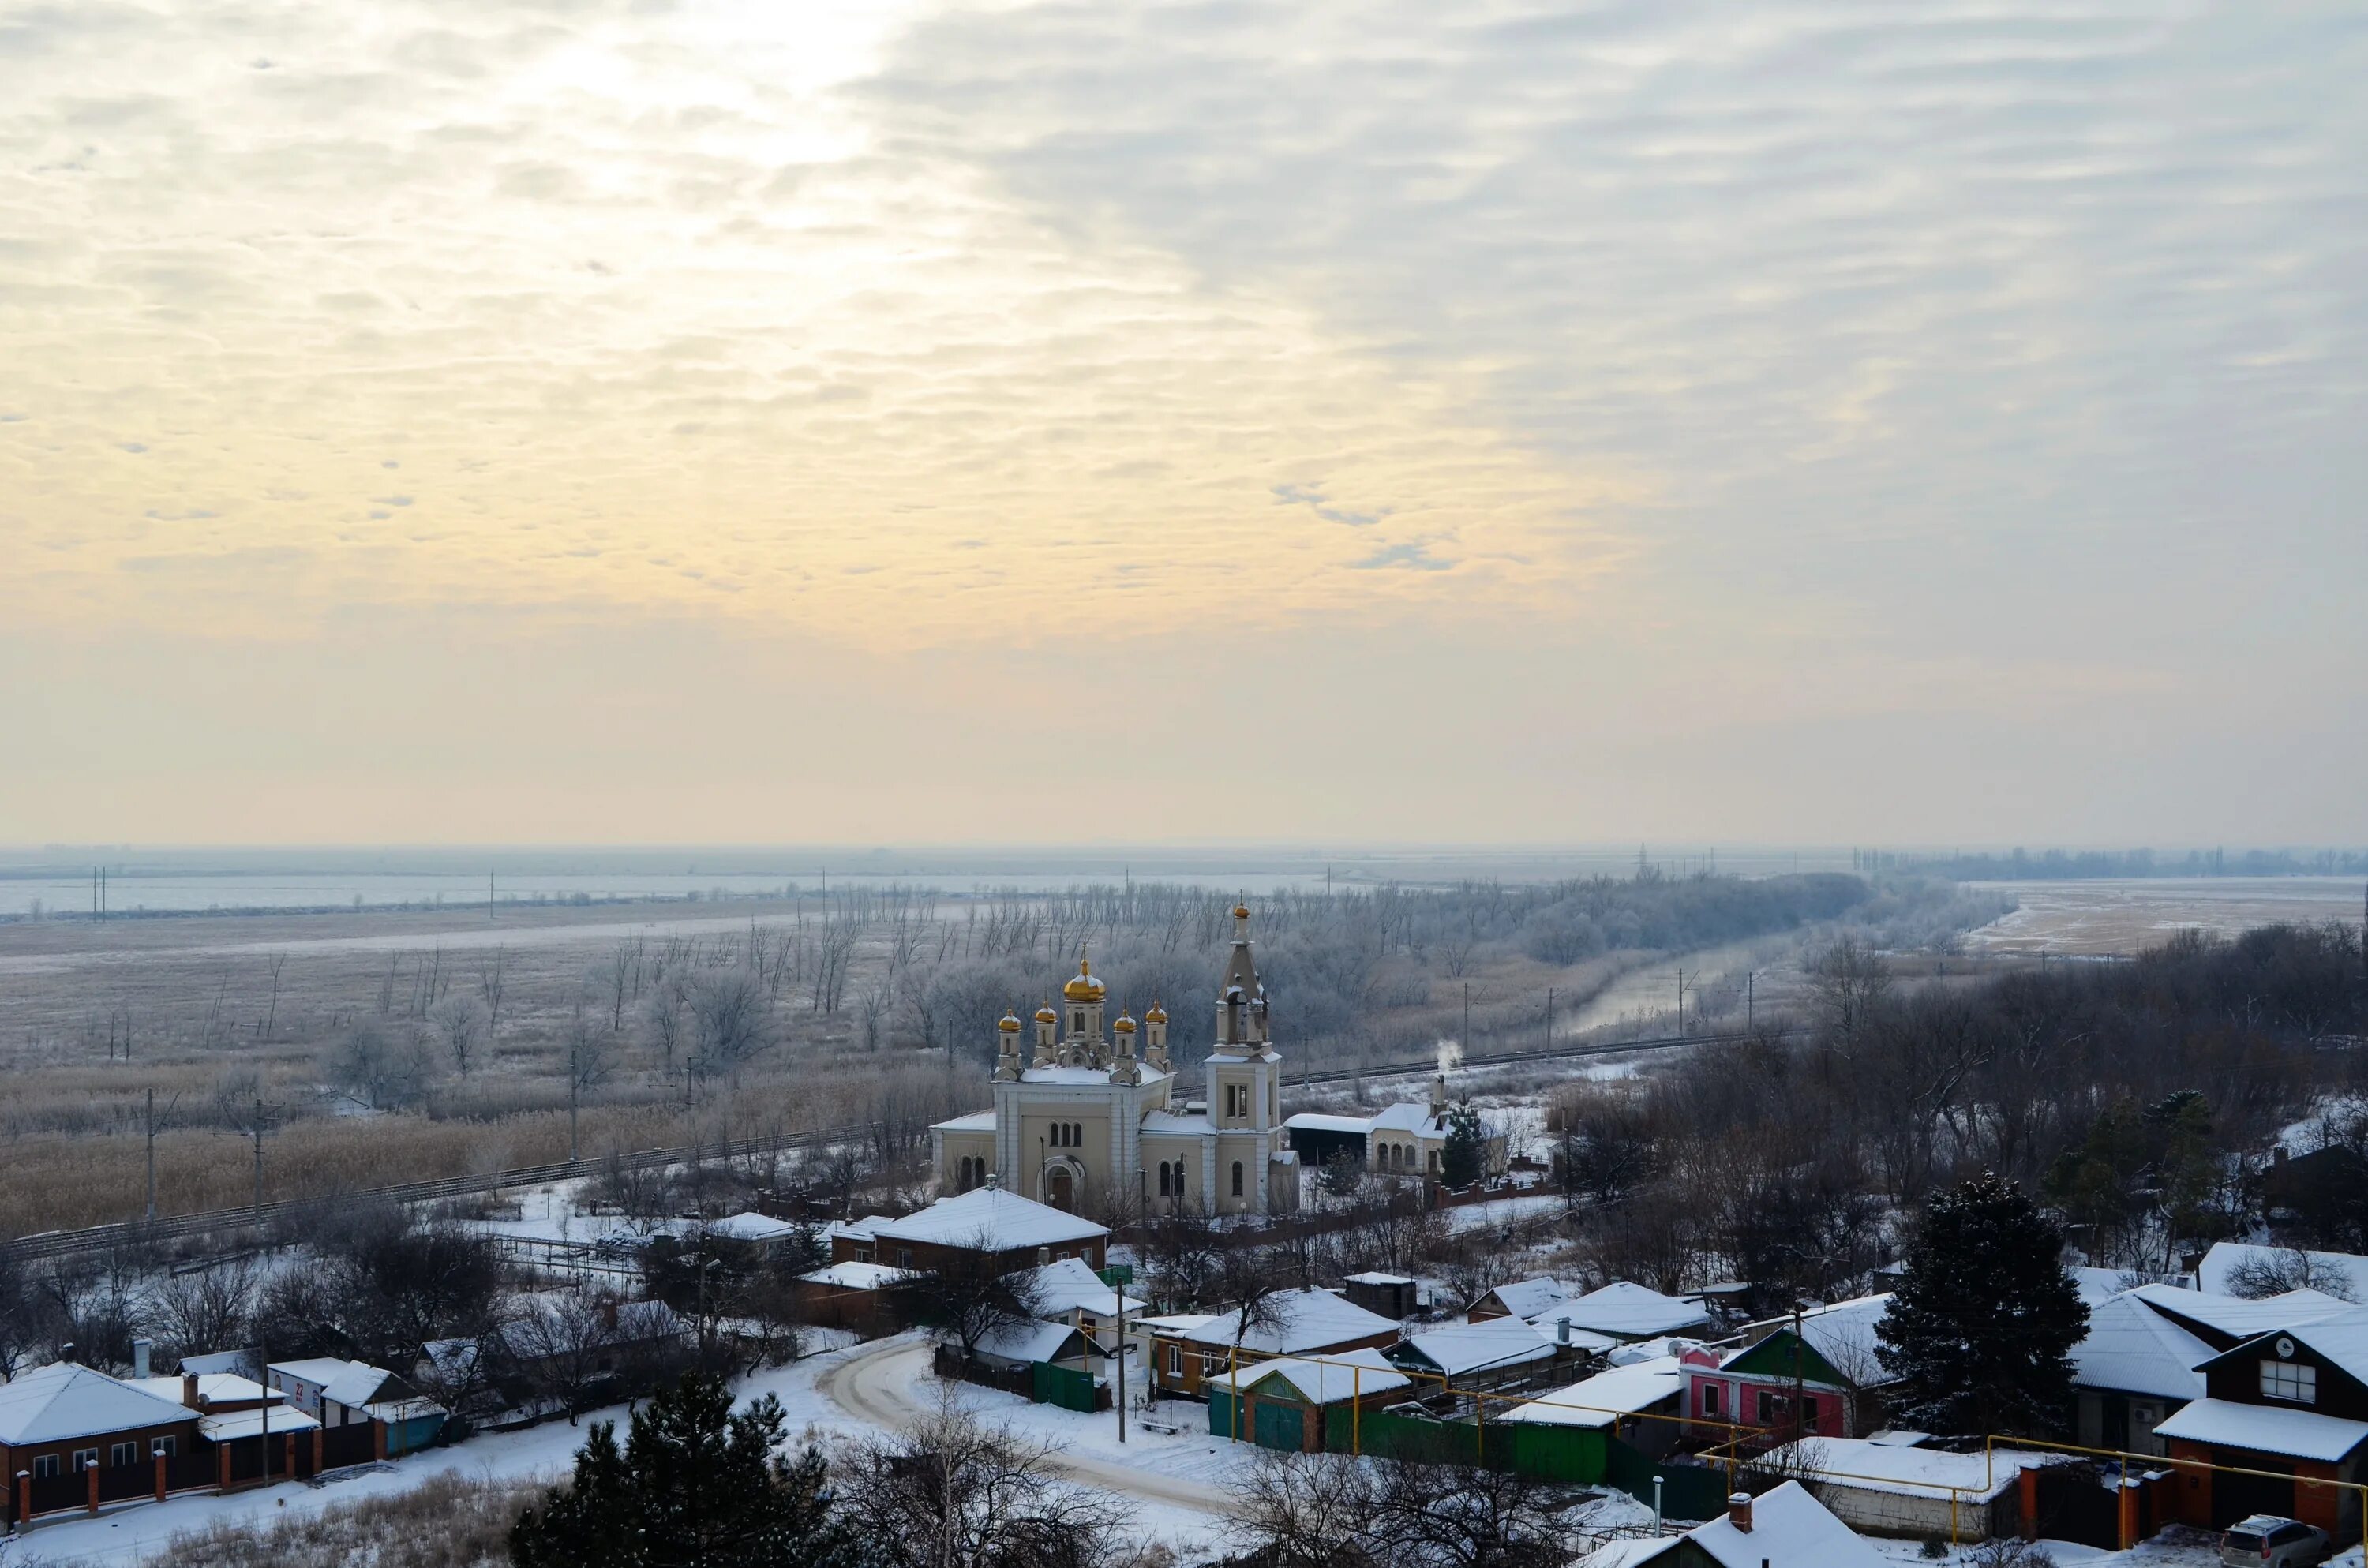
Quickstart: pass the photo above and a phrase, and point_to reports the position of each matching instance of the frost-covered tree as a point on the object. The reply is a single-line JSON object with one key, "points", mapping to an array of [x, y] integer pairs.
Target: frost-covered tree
{"points": [[1982, 1325]]}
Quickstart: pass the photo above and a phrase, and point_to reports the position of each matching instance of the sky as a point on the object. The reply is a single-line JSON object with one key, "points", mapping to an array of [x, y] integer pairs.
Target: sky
{"points": [[725, 421]]}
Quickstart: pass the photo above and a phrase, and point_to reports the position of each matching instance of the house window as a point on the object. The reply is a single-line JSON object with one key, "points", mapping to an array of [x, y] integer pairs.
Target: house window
{"points": [[45, 1467], [1165, 1189], [904, 1258], [1808, 1413], [1767, 1407], [1211, 1366], [84, 1459], [1434, 1162], [123, 1453], [1175, 1360], [1237, 1178], [168, 1446], [1709, 1401], [2288, 1380], [862, 1253]]}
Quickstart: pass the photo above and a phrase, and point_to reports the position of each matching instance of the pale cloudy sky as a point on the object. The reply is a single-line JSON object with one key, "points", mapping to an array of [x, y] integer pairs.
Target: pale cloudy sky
{"points": [[715, 420]]}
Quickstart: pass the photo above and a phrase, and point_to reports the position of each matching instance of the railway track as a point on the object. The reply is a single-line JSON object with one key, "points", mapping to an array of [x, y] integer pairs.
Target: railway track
{"points": [[177, 1227]]}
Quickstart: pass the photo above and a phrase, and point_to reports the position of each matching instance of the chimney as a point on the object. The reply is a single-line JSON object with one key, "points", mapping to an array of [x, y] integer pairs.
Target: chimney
{"points": [[66, 1352], [1738, 1511], [1043, 1256], [993, 1181], [1562, 1331], [2278, 1155], [189, 1395], [139, 1348], [1438, 1094]]}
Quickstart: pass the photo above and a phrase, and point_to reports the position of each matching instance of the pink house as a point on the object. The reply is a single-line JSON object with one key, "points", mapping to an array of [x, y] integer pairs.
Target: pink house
{"points": [[1827, 1369]]}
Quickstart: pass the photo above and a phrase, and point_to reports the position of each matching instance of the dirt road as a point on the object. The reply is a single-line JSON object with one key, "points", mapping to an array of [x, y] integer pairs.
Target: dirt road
{"points": [[875, 1387]]}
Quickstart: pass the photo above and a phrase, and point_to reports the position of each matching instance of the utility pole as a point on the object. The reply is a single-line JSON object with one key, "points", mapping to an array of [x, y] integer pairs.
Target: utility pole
{"points": [[1120, 1292], [259, 1160], [1681, 1000], [1467, 1014], [1750, 984], [1549, 1018]]}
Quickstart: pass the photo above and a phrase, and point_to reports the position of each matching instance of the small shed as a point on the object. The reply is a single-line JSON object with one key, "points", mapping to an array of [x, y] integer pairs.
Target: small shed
{"points": [[1303, 1404], [1469, 1354], [1884, 1489], [1389, 1295]]}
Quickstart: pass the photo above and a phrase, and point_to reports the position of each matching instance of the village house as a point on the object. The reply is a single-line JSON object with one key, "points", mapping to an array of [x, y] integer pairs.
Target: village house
{"points": [[1528, 1298], [1783, 1528], [1010, 1232], [1482, 1354], [1188, 1352], [339, 1393], [1068, 1291], [1303, 1405], [1639, 1404], [1817, 1369], [2132, 1370], [1391, 1295], [1408, 1139], [859, 1296], [71, 1437], [1621, 1310], [2277, 1411]]}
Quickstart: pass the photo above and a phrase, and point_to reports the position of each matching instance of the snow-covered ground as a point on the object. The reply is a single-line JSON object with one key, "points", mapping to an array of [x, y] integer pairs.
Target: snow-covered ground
{"points": [[1503, 1211], [1188, 1462]]}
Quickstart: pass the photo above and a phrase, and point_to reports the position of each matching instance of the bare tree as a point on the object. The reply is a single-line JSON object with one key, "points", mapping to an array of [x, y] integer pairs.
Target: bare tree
{"points": [[2266, 1272], [491, 980], [567, 1341], [732, 1018], [206, 1309], [968, 1299], [460, 1023], [957, 1493]]}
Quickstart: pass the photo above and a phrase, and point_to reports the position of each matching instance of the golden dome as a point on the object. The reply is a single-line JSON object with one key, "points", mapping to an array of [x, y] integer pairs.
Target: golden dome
{"points": [[1158, 1015], [1085, 987], [1010, 1024], [1046, 1016], [1124, 1025], [1241, 912]]}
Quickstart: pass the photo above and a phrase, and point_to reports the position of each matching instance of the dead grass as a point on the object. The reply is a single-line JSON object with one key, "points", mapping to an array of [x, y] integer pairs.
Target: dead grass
{"points": [[447, 1521]]}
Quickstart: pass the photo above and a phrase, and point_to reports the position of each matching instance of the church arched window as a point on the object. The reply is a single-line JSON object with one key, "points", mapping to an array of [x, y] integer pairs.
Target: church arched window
{"points": [[1166, 1186], [1077, 1136], [1237, 1178]]}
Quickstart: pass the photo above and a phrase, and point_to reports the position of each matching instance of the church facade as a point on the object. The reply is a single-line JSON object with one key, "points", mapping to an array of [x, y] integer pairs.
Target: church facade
{"points": [[1084, 1123]]}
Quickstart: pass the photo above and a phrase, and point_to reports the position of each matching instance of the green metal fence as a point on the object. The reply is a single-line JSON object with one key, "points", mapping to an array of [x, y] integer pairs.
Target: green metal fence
{"points": [[1064, 1386], [1688, 1491]]}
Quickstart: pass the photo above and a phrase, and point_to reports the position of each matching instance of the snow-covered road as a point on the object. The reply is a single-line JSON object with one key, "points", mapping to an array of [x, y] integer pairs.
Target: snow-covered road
{"points": [[875, 1386]]}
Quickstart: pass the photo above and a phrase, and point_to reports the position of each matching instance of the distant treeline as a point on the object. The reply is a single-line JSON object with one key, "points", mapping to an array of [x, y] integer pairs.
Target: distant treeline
{"points": [[2057, 865]]}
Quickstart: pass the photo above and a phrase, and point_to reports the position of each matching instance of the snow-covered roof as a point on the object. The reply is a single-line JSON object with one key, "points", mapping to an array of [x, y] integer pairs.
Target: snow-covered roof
{"points": [[976, 1121], [1074, 1075], [751, 1227], [1375, 1276], [1464, 1347], [1032, 1340], [2097, 1285], [242, 1362], [67, 1399], [1788, 1527], [1311, 1320], [231, 1424], [1178, 1123], [993, 1219], [1602, 1399], [1323, 1121], [318, 1371], [1408, 1117], [1068, 1284], [2221, 1264], [1171, 1322], [2133, 1349], [1627, 1310], [2340, 1342], [1912, 1473], [351, 1384], [1349, 1375], [857, 1276], [215, 1388], [1530, 1298], [1844, 1335], [861, 1230], [2265, 1429], [2239, 1318]]}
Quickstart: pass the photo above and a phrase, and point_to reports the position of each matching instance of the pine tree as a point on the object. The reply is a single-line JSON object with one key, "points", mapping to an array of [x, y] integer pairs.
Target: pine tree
{"points": [[696, 1485], [1981, 1328], [1461, 1158]]}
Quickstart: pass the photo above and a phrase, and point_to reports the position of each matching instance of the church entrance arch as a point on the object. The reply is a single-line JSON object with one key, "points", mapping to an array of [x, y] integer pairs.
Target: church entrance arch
{"points": [[1063, 1181]]}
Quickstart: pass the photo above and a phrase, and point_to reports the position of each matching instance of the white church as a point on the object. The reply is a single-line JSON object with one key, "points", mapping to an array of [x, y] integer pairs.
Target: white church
{"points": [[1086, 1125]]}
